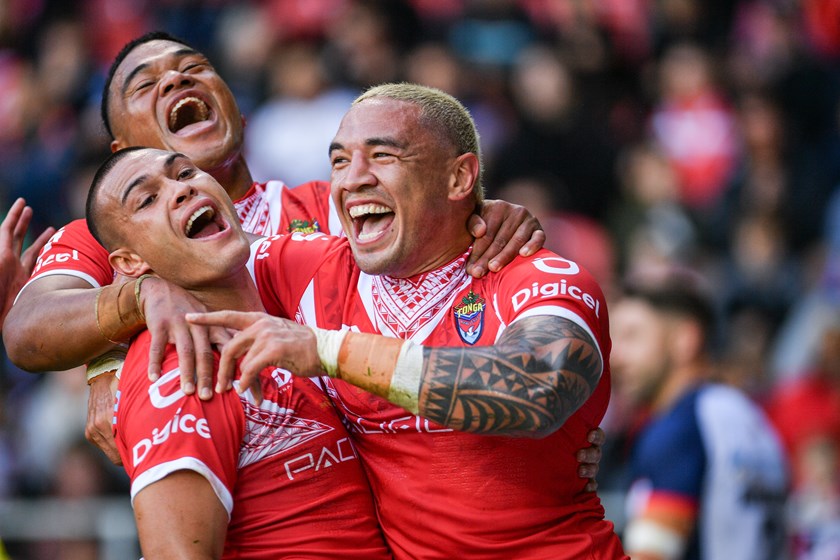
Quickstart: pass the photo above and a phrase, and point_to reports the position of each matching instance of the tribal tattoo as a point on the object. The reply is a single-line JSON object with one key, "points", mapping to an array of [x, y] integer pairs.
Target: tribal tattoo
{"points": [[538, 374]]}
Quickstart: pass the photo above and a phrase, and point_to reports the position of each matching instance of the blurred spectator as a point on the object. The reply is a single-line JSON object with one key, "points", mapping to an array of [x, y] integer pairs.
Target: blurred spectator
{"points": [[557, 135], [648, 222], [709, 476], [694, 124], [288, 136]]}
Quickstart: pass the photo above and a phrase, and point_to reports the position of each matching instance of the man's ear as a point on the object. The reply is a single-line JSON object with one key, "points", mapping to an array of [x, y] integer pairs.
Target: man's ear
{"points": [[128, 264], [116, 145], [464, 176]]}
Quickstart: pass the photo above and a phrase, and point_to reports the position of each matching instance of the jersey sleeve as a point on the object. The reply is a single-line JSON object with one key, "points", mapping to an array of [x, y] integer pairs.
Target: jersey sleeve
{"points": [[73, 251], [286, 267], [547, 284], [160, 430]]}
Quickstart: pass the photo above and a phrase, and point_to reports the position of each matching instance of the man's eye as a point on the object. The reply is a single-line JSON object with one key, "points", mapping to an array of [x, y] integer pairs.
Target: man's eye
{"points": [[143, 85], [338, 160], [192, 66], [146, 201], [186, 173]]}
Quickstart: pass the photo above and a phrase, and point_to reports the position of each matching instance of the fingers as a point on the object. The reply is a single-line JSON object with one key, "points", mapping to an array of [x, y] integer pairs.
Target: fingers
{"points": [[98, 428], [31, 254], [10, 224], [229, 319], [597, 436], [510, 231], [204, 362]]}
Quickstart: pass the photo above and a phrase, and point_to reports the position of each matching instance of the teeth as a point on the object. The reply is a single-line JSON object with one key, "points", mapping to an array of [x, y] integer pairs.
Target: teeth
{"points": [[364, 209], [201, 106], [197, 214]]}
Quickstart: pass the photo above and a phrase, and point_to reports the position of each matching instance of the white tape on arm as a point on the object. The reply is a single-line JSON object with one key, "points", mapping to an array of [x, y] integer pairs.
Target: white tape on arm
{"points": [[329, 343], [405, 384], [643, 535]]}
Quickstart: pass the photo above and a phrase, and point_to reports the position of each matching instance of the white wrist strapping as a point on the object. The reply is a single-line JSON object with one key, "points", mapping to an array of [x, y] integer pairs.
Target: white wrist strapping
{"points": [[329, 344], [643, 535], [405, 384]]}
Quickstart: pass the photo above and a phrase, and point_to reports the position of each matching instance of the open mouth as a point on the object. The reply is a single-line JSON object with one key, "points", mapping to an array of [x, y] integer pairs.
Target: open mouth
{"points": [[189, 110], [204, 222], [370, 220]]}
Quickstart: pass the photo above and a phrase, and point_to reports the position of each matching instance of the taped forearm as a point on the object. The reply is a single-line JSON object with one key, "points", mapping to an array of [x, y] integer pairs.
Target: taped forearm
{"points": [[388, 367], [118, 311]]}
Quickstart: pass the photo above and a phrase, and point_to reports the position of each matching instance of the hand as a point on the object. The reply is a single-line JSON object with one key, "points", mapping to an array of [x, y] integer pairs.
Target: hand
{"points": [[15, 268], [262, 341], [501, 232], [99, 428], [164, 306], [590, 457]]}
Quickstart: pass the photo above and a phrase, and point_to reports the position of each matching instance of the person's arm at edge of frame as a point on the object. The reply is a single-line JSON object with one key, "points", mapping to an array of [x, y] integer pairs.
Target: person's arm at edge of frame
{"points": [[180, 517]]}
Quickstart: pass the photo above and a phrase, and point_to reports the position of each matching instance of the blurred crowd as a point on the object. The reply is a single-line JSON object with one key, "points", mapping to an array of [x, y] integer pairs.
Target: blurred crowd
{"points": [[699, 132]]}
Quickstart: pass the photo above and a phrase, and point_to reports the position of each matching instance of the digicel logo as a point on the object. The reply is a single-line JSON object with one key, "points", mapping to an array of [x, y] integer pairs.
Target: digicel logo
{"points": [[187, 424]]}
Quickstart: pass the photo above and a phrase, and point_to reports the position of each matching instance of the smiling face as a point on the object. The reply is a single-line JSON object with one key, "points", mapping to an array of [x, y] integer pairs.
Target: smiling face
{"points": [[169, 217], [166, 95], [403, 195]]}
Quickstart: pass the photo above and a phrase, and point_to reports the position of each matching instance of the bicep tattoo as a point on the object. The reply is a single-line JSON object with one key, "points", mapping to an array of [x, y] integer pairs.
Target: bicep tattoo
{"points": [[538, 374]]}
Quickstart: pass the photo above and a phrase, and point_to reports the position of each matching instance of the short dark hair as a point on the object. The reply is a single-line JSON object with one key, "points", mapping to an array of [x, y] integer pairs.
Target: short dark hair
{"points": [[124, 52], [677, 291], [92, 210]]}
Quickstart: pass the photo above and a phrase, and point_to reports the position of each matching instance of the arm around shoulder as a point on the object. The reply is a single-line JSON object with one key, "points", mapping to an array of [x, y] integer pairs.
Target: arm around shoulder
{"points": [[52, 326]]}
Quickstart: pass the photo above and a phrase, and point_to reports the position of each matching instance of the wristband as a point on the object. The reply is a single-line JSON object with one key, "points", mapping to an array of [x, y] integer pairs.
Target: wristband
{"points": [[111, 361]]}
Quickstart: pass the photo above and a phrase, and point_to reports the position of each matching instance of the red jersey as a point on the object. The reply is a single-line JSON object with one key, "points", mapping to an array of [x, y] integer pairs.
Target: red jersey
{"points": [[441, 493], [285, 470], [266, 209]]}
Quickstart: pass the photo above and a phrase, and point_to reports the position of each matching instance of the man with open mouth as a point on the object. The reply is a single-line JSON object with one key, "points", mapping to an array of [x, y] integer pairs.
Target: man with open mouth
{"points": [[467, 398]]}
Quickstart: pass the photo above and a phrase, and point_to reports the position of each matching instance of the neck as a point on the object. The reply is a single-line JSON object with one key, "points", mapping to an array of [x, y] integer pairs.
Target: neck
{"points": [[450, 251], [234, 176], [680, 380], [235, 293]]}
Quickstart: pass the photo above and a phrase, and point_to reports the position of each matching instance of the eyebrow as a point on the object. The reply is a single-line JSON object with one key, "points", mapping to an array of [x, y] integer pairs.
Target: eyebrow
{"points": [[373, 142], [170, 161], [186, 51]]}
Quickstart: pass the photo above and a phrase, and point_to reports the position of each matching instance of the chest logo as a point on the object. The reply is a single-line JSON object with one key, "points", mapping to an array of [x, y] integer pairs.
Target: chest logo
{"points": [[469, 317], [303, 226]]}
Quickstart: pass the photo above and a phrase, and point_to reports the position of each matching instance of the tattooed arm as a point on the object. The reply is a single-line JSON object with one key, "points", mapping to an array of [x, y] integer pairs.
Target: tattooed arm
{"points": [[540, 371]]}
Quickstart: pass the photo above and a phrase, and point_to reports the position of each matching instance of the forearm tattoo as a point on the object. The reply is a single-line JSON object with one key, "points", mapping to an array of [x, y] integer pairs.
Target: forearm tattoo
{"points": [[538, 374]]}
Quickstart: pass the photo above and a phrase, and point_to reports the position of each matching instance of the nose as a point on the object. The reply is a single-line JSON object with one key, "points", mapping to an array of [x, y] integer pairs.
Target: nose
{"points": [[175, 79], [182, 193], [357, 174]]}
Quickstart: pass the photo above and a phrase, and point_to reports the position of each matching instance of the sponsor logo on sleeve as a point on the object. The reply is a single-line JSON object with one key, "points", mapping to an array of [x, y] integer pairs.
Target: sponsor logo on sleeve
{"points": [[547, 290], [469, 317]]}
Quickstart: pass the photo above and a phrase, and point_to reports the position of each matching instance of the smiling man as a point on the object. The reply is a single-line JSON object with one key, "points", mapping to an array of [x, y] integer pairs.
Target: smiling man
{"points": [[467, 362], [231, 477]]}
